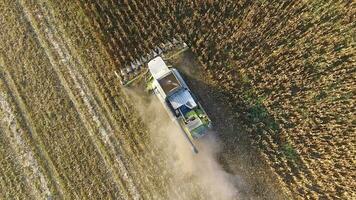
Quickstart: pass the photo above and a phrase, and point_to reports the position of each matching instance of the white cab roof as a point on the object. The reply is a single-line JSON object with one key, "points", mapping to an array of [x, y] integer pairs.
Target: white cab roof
{"points": [[182, 97], [157, 67]]}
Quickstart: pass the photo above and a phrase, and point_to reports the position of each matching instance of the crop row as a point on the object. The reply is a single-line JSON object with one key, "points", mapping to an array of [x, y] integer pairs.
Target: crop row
{"points": [[289, 71]]}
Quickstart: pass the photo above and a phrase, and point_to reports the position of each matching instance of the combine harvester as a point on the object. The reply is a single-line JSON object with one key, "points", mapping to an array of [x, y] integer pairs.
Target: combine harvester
{"points": [[179, 102], [177, 99]]}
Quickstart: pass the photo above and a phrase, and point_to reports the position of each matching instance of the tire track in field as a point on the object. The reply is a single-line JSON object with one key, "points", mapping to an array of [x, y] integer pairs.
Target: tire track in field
{"points": [[66, 61], [34, 177]]}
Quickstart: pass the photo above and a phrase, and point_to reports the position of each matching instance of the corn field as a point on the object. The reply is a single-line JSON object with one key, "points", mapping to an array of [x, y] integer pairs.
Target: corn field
{"points": [[284, 72]]}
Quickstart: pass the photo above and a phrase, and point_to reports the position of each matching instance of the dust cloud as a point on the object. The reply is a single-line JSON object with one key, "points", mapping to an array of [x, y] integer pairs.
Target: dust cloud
{"points": [[194, 176]]}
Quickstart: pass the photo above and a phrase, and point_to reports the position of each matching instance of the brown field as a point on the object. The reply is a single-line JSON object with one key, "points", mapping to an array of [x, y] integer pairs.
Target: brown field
{"points": [[277, 78]]}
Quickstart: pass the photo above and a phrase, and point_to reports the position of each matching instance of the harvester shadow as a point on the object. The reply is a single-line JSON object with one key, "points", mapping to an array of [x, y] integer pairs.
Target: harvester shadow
{"points": [[240, 130]]}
